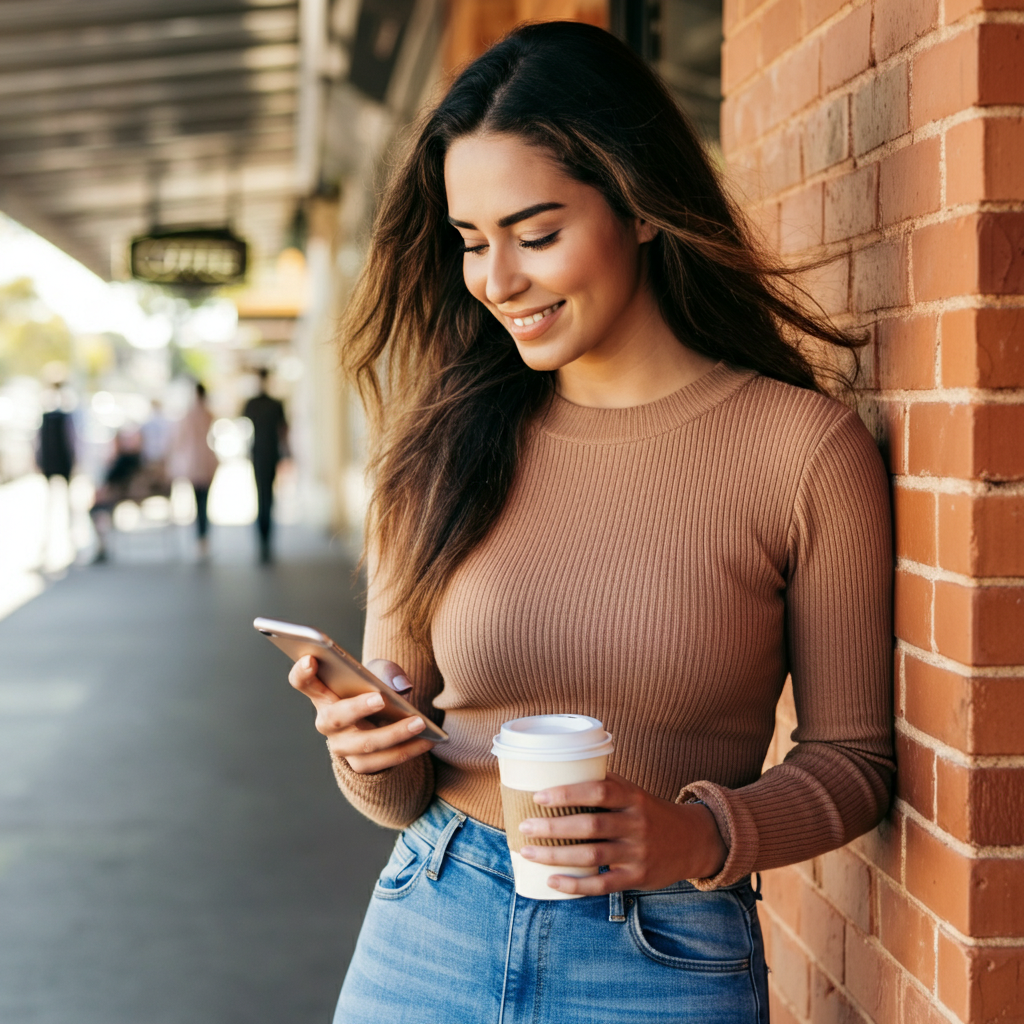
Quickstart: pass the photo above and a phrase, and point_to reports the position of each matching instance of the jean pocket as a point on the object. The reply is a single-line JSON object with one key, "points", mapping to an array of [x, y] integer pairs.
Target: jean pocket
{"points": [[692, 930], [404, 867]]}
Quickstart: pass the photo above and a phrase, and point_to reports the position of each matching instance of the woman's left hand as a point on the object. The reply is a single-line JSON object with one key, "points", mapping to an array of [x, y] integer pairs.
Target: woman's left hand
{"points": [[646, 842]]}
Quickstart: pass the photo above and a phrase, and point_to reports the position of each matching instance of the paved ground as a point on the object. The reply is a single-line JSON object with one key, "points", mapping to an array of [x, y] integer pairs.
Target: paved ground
{"points": [[172, 846]]}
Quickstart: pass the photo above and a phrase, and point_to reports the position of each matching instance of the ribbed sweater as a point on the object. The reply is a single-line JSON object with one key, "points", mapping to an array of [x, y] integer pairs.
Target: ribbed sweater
{"points": [[663, 568]]}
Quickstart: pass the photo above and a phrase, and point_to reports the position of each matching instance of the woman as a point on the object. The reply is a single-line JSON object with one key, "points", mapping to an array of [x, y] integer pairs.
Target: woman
{"points": [[606, 483], [192, 459]]}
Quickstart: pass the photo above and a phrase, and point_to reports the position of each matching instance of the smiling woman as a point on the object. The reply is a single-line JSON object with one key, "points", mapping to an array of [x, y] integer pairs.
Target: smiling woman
{"points": [[606, 483]]}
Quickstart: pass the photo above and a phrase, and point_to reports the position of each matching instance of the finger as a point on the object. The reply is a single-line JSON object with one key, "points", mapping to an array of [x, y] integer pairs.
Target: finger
{"points": [[580, 855], [577, 826], [368, 763], [390, 673], [303, 678], [369, 740], [612, 792], [344, 714], [615, 880]]}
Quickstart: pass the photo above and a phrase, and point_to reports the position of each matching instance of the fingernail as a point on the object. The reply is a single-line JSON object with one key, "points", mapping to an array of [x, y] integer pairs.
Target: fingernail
{"points": [[528, 852], [416, 725], [526, 827], [554, 883], [401, 684], [307, 662], [375, 700], [543, 797]]}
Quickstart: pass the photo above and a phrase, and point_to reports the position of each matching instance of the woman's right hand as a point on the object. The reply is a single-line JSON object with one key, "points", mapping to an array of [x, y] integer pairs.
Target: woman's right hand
{"points": [[366, 747]]}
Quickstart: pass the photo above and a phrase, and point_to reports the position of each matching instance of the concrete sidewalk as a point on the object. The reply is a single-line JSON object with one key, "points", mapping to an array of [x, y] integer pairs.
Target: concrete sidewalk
{"points": [[173, 849]]}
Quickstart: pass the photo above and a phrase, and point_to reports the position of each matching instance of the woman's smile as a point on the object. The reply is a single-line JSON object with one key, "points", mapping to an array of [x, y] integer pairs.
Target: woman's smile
{"points": [[531, 324]]}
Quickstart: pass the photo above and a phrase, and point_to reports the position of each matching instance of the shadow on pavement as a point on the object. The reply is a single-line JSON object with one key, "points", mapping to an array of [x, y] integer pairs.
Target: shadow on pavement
{"points": [[173, 849]]}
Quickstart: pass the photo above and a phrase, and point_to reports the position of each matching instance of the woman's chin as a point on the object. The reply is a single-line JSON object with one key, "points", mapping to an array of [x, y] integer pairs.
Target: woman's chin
{"points": [[546, 359]]}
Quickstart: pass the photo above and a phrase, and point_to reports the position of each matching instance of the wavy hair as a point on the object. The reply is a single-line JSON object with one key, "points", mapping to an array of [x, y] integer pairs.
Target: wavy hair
{"points": [[448, 396]]}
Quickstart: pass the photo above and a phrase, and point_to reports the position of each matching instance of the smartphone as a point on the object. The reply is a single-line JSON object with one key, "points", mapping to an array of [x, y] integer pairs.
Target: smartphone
{"points": [[342, 673]]}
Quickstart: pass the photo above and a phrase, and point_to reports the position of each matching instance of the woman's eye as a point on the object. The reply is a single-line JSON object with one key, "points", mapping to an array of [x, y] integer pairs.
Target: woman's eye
{"points": [[539, 243], [474, 248]]}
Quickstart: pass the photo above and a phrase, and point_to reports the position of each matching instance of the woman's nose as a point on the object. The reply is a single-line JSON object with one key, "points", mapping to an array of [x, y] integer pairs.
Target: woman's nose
{"points": [[505, 279]]}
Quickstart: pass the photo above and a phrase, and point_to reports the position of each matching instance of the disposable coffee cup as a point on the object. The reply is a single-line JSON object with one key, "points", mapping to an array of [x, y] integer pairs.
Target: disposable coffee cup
{"points": [[536, 753]]}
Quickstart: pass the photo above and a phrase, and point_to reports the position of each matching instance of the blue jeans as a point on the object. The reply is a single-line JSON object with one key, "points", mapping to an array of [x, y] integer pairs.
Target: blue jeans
{"points": [[447, 941]]}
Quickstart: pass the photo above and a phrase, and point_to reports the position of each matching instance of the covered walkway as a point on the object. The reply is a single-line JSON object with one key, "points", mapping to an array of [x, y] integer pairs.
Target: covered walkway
{"points": [[172, 846]]}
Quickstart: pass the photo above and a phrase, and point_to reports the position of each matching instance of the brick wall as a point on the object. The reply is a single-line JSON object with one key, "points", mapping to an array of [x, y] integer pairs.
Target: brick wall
{"points": [[890, 133]]}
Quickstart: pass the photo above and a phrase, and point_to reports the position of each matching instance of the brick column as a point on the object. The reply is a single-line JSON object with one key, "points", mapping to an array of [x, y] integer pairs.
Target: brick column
{"points": [[890, 133]]}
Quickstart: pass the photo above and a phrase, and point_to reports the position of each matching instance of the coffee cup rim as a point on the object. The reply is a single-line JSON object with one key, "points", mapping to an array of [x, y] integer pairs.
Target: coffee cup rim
{"points": [[580, 737]]}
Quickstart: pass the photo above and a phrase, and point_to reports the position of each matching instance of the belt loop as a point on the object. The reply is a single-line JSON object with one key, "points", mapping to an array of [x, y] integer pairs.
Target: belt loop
{"points": [[757, 888], [434, 867], [616, 911]]}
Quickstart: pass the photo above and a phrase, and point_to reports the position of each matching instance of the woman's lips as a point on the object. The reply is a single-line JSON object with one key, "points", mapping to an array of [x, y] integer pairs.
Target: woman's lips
{"points": [[532, 325]]}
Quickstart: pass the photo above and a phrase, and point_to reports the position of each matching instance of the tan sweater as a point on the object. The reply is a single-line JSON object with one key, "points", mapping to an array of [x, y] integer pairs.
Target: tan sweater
{"points": [[662, 568]]}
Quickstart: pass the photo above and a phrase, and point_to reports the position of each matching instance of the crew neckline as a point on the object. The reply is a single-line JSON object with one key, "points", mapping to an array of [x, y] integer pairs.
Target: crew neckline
{"points": [[597, 425]]}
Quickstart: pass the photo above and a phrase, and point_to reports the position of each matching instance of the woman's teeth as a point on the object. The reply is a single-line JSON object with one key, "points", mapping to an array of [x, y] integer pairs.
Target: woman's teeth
{"points": [[525, 321]]}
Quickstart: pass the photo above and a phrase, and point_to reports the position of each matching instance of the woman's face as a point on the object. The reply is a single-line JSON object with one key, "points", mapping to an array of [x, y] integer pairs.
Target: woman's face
{"points": [[545, 253]]}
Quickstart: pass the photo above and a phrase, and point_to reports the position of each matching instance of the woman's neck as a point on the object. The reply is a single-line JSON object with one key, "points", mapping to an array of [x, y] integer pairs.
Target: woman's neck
{"points": [[645, 363]]}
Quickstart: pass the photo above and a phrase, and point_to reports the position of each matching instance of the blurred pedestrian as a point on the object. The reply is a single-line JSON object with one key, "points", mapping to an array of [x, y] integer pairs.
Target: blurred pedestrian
{"points": [[156, 439], [191, 458], [120, 483], [269, 444], [55, 457]]}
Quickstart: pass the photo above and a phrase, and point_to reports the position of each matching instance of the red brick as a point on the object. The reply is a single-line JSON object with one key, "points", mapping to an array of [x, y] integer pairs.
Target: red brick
{"points": [[741, 56], [981, 897], [794, 81], [914, 515], [945, 78], [915, 775], [846, 883], [871, 978], [983, 160], [730, 16], [980, 625], [881, 109], [764, 220], [909, 182], [968, 441], [907, 933], [879, 276], [780, 28], [979, 983], [883, 845], [999, 77], [976, 715], [829, 285], [982, 535], [823, 931], [919, 1006], [778, 1008], [981, 253], [984, 806], [846, 48], [898, 23], [781, 889], [816, 11], [829, 1004], [913, 609], [983, 348], [780, 159], [791, 970], [800, 220], [956, 9], [826, 136], [851, 204], [906, 352]]}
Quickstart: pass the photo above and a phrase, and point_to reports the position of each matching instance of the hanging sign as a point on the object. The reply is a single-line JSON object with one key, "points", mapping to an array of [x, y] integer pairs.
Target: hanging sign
{"points": [[196, 257]]}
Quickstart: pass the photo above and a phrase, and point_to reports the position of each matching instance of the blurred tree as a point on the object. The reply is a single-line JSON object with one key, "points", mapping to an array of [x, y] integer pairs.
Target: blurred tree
{"points": [[31, 334]]}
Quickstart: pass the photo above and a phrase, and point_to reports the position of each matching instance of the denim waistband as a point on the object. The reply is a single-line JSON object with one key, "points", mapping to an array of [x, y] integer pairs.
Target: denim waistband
{"points": [[453, 833]]}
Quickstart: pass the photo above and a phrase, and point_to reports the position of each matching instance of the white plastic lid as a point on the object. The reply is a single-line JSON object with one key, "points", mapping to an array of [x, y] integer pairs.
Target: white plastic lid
{"points": [[552, 738]]}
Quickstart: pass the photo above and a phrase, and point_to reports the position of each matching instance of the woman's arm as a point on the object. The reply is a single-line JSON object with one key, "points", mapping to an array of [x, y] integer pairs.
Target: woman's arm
{"points": [[835, 783]]}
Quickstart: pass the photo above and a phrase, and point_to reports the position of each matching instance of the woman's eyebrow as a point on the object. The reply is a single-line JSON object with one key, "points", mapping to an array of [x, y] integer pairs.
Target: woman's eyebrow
{"points": [[512, 218]]}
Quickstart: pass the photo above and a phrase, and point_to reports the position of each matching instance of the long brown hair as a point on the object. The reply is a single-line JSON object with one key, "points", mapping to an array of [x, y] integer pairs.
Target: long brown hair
{"points": [[448, 395]]}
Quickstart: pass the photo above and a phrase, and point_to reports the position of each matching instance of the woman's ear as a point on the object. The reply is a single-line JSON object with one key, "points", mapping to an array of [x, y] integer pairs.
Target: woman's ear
{"points": [[645, 231]]}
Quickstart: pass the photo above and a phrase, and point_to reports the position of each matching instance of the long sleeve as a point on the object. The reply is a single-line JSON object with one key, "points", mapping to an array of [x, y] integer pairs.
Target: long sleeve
{"points": [[396, 796], [835, 783]]}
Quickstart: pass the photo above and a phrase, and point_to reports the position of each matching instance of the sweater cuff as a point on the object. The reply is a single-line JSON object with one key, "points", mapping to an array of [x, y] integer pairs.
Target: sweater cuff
{"points": [[738, 828], [394, 797]]}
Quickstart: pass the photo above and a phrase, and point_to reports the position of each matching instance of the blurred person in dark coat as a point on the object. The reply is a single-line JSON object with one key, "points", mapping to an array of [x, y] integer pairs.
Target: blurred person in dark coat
{"points": [[269, 445], [55, 457]]}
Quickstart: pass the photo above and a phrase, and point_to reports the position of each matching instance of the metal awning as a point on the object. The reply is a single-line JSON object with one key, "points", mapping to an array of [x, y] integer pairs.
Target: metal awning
{"points": [[116, 115]]}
